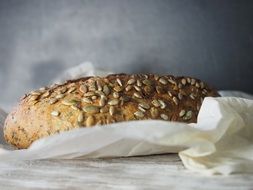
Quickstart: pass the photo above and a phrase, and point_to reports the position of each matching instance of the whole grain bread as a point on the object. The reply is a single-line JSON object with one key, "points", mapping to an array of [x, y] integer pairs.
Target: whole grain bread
{"points": [[92, 101]]}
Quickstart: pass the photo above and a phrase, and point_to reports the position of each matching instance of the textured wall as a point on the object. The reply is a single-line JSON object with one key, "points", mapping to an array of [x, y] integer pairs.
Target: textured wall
{"points": [[212, 40]]}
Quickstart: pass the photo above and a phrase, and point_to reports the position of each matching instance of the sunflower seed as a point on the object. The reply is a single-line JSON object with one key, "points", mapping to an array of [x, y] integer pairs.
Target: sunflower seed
{"points": [[188, 115], [144, 105], [59, 96], [138, 82], [113, 102], [99, 86], [72, 89], [154, 112], [183, 81], [102, 101], [74, 107], [115, 94], [147, 82], [90, 121], [83, 89], [139, 114], [193, 81], [35, 93], [55, 113], [106, 90], [171, 81], [89, 94], [131, 81], [52, 101], [128, 88], [162, 104], [155, 103], [87, 100], [94, 97], [141, 109], [180, 96], [175, 100], [80, 117], [204, 91], [137, 88], [119, 81], [182, 113], [192, 96], [170, 94], [197, 85], [137, 95], [164, 117], [112, 110], [46, 94], [91, 109], [163, 81], [188, 80]]}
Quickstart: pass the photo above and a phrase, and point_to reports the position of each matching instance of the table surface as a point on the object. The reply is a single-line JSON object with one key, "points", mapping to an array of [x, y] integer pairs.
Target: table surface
{"points": [[145, 172]]}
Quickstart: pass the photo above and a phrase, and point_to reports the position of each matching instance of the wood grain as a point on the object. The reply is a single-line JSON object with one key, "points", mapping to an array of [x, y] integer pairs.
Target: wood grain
{"points": [[147, 172]]}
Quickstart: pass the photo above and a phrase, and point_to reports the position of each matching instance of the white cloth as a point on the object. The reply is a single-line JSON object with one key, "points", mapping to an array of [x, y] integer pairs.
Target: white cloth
{"points": [[221, 142]]}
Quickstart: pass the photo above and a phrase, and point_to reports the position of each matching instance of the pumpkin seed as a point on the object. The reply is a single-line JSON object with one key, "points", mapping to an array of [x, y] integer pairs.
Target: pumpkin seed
{"points": [[106, 90], [87, 100], [80, 117], [102, 101], [128, 88], [111, 110], [155, 103], [91, 109], [188, 115], [144, 105], [83, 89], [139, 114], [182, 113], [113, 102], [163, 81]]}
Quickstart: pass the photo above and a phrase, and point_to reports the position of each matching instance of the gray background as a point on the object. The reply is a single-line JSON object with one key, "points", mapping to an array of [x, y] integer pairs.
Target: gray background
{"points": [[211, 40]]}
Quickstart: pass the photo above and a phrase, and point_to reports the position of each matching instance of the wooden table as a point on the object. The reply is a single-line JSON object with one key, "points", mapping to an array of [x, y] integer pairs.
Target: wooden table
{"points": [[147, 172]]}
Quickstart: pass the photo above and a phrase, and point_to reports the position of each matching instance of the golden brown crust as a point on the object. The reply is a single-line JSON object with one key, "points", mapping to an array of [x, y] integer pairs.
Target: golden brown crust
{"points": [[94, 101]]}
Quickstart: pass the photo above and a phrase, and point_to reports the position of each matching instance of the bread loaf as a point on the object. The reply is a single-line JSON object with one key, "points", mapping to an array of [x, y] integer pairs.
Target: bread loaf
{"points": [[92, 101]]}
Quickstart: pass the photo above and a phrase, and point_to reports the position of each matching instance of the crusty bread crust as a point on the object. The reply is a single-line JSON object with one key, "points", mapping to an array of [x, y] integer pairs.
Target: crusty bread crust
{"points": [[94, 101]]}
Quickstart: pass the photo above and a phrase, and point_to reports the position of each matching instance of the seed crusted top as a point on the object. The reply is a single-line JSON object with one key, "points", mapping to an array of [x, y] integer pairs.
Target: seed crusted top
{"points": [[94, 101]]}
